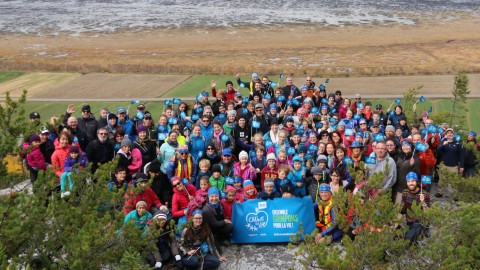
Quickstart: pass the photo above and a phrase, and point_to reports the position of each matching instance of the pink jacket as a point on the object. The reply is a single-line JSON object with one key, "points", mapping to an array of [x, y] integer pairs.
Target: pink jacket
{"points": [[35, 159], [248, 173], [136, 164]]}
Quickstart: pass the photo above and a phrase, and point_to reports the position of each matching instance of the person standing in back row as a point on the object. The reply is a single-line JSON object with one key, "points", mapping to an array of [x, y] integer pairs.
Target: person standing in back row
{"points": [[451, 154]]}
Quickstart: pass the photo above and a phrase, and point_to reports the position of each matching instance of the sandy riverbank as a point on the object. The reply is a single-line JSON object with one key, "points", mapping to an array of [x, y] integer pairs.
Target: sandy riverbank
{"points": [[429, 47]]}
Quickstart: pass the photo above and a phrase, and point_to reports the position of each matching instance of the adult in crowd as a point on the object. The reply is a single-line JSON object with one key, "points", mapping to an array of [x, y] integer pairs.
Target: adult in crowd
{"points": [[167, 152], [198, 245], [182, 165], [259, 122], [384, 164], [77, 134], [214, 215], [103, 120], [147, 148], [87, 123], [406, 162], [451, 154], [125, 124], [46, 146], [182, 194], [100, 150]]}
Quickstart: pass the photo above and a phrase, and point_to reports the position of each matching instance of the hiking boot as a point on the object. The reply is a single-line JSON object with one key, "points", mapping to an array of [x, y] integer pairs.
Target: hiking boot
{"points": [[438, 195]]}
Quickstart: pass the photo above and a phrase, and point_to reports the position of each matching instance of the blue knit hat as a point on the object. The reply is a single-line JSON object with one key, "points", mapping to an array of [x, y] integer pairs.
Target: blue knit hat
{"points": [[324, 187], [213, 191], [198, 211], [411, 176]]}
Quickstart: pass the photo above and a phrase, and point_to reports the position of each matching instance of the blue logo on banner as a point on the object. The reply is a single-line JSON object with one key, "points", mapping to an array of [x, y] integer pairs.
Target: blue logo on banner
{"points": [[255, 124], [259, 221]]}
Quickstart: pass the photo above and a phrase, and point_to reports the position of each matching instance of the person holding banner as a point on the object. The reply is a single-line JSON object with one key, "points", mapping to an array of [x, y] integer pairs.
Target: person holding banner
{"points": [[198, 245], [328, 230], [214, 216], [413, 194]]}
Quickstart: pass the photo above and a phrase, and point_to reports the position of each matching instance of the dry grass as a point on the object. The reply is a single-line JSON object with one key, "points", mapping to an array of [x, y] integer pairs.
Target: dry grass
{"points": [[429, 47], [35, 83]]}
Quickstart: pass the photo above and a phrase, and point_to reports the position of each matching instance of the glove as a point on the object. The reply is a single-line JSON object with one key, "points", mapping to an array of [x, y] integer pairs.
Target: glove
{"points": [[158, 265], [178, 258]]}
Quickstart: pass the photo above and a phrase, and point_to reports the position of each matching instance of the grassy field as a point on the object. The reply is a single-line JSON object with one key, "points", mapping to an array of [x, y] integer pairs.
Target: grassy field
{"points": [[36, 83], [6, 76], [198, 83]]}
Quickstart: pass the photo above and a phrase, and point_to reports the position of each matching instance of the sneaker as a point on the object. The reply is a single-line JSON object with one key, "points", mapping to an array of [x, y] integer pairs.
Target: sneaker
{"points": [[438, 195], [326, 240], [64, 194]]}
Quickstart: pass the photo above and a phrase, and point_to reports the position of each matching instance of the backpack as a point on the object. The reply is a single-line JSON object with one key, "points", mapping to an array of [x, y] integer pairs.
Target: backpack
{"points": [[196, 203]]}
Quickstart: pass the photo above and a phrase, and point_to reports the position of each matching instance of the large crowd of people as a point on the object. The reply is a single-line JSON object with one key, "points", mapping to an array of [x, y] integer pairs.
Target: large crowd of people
{"points": [[275, 142]]}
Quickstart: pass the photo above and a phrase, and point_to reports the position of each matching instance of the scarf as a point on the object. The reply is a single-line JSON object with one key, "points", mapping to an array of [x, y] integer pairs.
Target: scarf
{"points": [[214, 205], [218, 140], [174, 144]]}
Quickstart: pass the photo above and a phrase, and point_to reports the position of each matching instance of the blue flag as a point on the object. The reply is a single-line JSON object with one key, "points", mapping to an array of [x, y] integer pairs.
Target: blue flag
{"points": [[135, 101], [291, 150], [420, 147], [426, 179], [172, 121], [322, 87], [177, 101], [224, 137], [348, 132], [397, 100], [242, 85], [194, 117], [422, 99], [167, 102], [281, 98], [370, 160], [314, 111], [327, 80], [273, 84], [255, 124]]}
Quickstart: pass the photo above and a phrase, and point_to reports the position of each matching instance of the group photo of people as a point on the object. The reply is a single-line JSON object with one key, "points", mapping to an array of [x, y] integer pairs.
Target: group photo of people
{"points": [[192, 163]]}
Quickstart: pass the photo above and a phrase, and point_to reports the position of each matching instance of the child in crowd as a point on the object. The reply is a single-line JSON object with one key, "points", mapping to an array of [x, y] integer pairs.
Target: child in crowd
{"points": [[118, 182], [237, 185], [296, 176], [204, 166], [287, 192], [282, 158], [75, 156], [139, 215], [243, 168], [249, 191], [313, 182], [35, 159], [204, 186], [228, 202], [269, 190], [282, 179], [217, 180], [271, 170], [259, 162]]}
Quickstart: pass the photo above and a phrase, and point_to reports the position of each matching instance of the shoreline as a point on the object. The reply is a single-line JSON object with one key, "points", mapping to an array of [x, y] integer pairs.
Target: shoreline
{"points": [[428, 47]]}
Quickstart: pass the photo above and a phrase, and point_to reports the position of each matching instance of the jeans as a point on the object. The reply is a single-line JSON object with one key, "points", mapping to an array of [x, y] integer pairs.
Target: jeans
{"points": [[209, 262]]}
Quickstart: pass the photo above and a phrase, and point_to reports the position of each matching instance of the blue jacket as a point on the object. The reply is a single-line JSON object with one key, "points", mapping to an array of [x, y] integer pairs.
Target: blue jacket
{"points": [[207, 131], [296, 177], [129, 129], [197, 146]]}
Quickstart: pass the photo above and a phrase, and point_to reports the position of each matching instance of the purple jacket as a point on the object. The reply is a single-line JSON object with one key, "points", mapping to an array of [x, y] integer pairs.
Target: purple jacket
{"points": [[70, 162]]}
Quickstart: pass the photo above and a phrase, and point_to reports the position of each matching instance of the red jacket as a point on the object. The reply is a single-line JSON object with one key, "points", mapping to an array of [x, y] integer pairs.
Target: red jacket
{"points": [[147, 195], [58, 159], [427, 162], [180, 200], [228, 208], [268, 173]]}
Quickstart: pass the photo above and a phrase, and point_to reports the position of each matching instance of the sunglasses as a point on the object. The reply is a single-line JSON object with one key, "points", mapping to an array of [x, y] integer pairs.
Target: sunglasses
{"points": [[86, 111], [177, 184], [363, 123], [205, 121], [210, 148], [183, 154]]}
